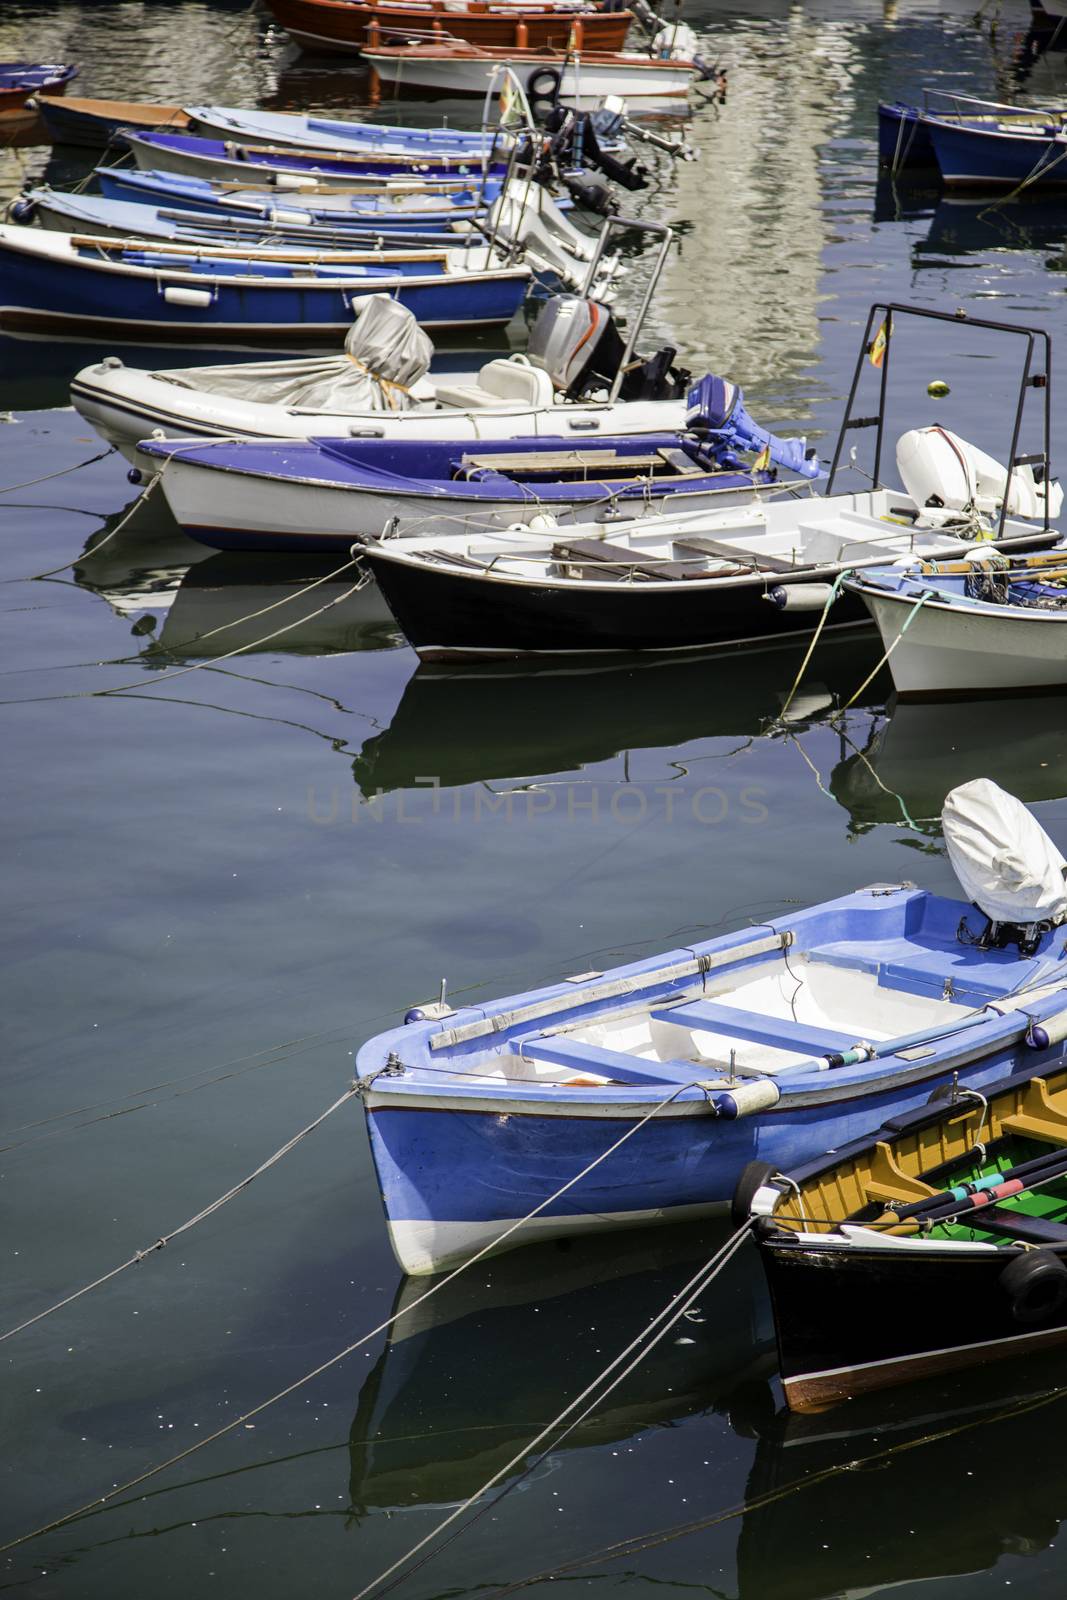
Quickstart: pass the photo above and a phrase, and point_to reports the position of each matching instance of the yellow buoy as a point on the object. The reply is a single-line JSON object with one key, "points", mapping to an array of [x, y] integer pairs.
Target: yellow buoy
{"points": [[937, 389]]}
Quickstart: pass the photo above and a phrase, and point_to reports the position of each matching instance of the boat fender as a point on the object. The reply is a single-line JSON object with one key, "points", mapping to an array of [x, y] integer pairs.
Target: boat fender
{"points": [[176, 294], [543, 85], [746, 1098], [1053, 1030], [1036, 1285], [752, 1179], [799, 596], [434, 1011], [21, 210], [135, 475]]}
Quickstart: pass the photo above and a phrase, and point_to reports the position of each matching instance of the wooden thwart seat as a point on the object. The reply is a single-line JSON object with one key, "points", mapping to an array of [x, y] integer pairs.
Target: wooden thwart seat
{"points": [[600, 556]]}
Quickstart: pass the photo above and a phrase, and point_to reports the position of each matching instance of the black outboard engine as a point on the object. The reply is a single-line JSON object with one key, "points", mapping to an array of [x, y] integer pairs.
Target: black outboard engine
{"points": [[577, 342], [576, 142]]}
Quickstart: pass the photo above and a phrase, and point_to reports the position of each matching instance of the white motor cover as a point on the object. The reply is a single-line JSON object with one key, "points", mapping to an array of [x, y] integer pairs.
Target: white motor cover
{"points": [[934, 462], [1005, 861], [385, 348]]}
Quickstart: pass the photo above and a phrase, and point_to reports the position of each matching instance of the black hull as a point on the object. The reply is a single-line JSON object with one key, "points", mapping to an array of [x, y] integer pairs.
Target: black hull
{"points": [[446, 614], [849, 1321]]}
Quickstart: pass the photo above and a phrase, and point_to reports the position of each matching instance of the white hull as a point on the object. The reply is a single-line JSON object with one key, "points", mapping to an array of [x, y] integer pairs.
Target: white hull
{"points": [[125, 404], [950, 649], [428, 1247], [235, 510], [584, 86]]}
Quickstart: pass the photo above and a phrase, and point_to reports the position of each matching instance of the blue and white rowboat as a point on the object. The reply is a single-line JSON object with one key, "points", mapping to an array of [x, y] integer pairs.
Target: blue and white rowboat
{"points": [[125, 219], [56, 282], [216, 158], [772, 1043], [398, 207]]}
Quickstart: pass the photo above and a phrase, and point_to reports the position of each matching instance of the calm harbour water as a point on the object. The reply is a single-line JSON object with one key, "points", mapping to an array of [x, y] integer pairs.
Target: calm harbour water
{"points": [[220, 884]]}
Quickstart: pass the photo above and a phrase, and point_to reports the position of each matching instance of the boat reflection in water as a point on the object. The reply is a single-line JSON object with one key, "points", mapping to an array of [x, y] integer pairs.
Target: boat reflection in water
{"points": [[919, 750], [138, 569], [984, 226], [520, 721], [892, 1489], [231, 593], [479, 1369]]}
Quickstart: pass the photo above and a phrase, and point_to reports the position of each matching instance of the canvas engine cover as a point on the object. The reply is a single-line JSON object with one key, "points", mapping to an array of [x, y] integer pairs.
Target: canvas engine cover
{"points": [[1005, 861]]}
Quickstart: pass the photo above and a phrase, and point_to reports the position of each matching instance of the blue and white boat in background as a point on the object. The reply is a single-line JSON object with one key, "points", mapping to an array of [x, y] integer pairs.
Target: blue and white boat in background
{"points": [[904, 137], [330, 134], [155, 151], [408, 206], [55, 282], [770, 1044], [126, 219]]}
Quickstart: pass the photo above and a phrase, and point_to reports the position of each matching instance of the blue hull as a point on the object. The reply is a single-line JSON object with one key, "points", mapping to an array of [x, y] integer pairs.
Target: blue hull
{"points": [[903, 140], [83, 297], [460, 1154], [984, 158]]}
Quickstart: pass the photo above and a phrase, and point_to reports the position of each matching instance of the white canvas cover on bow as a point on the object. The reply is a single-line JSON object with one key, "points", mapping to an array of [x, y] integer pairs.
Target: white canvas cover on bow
{"points": [[1005, 861], [386, 354]]}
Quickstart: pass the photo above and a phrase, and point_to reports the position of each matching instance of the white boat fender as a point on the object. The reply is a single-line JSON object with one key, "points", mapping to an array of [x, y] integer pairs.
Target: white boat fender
{"points": [[800, 596], [746, 1098]]}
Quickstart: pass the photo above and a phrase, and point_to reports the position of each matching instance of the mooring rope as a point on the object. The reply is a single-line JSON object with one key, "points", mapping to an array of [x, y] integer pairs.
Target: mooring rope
{"points": [[831, 597], [594, 1394], [47, 477], [191, 1222], [927, 594], [143, 684], [332, 1361], [51, 572], [647, 1541]]}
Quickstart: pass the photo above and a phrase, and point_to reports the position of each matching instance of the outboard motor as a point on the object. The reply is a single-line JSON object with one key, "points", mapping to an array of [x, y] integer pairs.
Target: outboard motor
{"points": [[942, 472], [715, 408], [1007, 865], [576, 341], [576, 143]]}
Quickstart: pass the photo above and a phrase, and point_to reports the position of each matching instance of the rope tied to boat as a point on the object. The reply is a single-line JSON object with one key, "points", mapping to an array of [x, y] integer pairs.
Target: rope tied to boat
{"points": [[830, 598], [332, 1361], [927, 594], [386, 384]]}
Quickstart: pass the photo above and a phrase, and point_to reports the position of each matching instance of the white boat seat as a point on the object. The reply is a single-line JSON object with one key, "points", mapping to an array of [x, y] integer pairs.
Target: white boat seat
{"points": [[561, 1050], [502, 381], [782, 1033]]}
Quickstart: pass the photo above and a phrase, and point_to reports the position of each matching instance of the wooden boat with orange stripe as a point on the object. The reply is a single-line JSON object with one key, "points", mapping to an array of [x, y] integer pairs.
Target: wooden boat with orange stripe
{"points": [[329, 26]]}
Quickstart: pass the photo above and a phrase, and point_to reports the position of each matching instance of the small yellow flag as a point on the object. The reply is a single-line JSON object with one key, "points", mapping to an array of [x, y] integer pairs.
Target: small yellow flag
{"points": [[879, 344], [763, 460]]}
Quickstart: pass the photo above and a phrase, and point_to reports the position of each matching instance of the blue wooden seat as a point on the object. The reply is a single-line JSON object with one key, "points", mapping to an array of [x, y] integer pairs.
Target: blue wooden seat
{"points": [[560, 1050], [779, 1032]]}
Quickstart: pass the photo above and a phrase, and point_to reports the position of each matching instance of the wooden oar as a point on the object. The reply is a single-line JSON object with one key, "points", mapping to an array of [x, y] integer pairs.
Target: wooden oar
{"points": [[947, 1203]]}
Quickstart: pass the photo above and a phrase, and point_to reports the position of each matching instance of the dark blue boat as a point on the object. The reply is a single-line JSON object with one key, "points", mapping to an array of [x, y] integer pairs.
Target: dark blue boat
{"points": [[904, 135], [52, 282], [983, 156]]}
